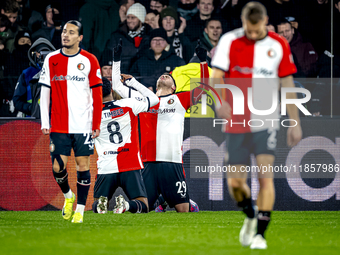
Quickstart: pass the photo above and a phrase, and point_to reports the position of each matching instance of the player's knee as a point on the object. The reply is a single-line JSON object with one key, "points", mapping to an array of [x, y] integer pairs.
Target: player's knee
{"points": [[266, 183], [57, 163], [235, 183], [182, 208]]}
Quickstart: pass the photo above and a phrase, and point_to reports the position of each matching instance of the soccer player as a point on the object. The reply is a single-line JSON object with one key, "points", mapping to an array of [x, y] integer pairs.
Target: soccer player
{"points": [[161, 131], [119, 160], [71, 78], [253, 52]]}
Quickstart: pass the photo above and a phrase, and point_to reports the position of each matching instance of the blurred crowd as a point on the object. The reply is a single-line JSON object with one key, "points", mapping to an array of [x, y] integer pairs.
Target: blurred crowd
{"points": [[160, 35]]}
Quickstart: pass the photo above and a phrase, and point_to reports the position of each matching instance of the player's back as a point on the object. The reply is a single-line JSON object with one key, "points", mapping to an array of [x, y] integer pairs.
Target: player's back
{"points": [[118, 143]]}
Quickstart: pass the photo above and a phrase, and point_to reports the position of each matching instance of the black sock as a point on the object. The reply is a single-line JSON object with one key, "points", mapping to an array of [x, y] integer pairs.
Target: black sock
{"points": [[137, 206], [83, 186], [62, 180], [247, 207], [94, 206], [263, 220]]}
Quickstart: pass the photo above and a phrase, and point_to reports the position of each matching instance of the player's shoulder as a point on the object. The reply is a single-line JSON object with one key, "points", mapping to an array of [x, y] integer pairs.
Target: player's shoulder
{"points": [[233, 35], [88, 55], [55, 53], [280, 39]]}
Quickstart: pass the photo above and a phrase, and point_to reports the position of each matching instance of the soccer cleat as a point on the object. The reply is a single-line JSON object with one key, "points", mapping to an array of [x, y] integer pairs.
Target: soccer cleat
{"points": [[120, 205], [102, 205], [258, 243], [248, 229], [77, 218], [68, 207], [162, 207], [193, 206]]}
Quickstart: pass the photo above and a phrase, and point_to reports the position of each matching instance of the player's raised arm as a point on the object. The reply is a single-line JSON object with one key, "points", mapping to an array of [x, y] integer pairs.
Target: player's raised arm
{"points": [[294, 134]]}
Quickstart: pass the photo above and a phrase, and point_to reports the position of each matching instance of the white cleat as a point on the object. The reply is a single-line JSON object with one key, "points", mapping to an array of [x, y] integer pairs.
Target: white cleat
{"points": [[102, 205], [248, 229], [120, 205], [259, 243]]}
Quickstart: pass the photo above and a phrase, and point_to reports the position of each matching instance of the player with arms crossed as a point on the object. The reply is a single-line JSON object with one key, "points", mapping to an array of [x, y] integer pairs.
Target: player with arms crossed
{"points": [[253, 52], [71, 78], [161, 131], [119, 160]]}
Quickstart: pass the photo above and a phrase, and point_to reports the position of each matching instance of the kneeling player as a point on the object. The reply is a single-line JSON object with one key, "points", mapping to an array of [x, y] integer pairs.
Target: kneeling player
{"points": [[119, 161]]}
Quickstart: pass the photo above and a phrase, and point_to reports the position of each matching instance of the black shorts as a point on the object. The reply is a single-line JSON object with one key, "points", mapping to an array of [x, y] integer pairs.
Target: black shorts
{"points": [[131, 182], [165, 178], [61, 144], [240, 146]]}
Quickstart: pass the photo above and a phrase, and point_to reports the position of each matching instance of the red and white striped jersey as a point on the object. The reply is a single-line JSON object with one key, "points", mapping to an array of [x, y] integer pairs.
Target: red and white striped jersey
{"points": [[75, 104], [261, 63], [118, 143], [162, 129]]}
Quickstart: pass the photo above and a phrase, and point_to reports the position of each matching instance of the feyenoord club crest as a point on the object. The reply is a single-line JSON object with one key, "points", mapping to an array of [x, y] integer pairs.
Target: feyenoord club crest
{"points": [[271, 53], [52, 147], [81, 66], [171, 101]]}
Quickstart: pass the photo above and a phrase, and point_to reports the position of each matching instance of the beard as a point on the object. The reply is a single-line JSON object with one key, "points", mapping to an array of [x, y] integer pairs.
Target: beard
{"points": [[135, 28]]}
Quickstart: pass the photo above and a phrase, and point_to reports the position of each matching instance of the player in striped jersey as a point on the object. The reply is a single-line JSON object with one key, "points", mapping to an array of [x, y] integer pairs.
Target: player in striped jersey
{"points": [[119, 160], [161, 131], [70, 104]]}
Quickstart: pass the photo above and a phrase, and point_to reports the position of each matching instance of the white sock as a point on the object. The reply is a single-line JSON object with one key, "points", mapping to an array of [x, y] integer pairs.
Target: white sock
{"points": [[127, 205], [80, 209], [68, 194]]}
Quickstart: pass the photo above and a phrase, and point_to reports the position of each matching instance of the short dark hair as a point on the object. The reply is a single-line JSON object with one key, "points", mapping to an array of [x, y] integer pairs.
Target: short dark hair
{"points": [[10, 6], [284, 21], [77, 24], [254, 12], [107, 87], [162, 2], [212, 19], [4, 21]]}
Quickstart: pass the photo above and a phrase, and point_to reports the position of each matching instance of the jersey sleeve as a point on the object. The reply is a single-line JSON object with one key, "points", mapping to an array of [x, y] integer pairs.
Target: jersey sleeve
{"points": [[287, 66], [140, 104], [45, 73], [95, 77], [221, 57], [184, 98]]}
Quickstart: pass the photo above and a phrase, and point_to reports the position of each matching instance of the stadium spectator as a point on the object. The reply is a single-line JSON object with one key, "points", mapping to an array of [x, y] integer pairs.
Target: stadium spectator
{"points": [[176, 38], [211, 34], [10, 8], [123, 8], [4, 35], [51, 28], [270, 27], [134, 34], [187, 8], [157, 60], [152, 19], [305, 57], [245, 139], [280, 9], [75, 113], [100, 19], [27, 91], [125, 170], [197, 24], [105, 63], [163, 124], [159, 5]]}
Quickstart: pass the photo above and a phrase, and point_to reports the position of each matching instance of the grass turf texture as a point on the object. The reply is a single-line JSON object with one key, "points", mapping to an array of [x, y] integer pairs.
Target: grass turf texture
{"points": [[165, 233]]}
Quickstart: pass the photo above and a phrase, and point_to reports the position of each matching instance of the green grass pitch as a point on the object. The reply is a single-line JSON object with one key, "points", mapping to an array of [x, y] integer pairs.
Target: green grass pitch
{"points": [[165, 233]]}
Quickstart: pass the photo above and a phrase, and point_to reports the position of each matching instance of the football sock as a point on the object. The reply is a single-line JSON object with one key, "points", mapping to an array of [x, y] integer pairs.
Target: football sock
{"points": [[83, 186], [80, 209], [62, 180], [247, 207], [136, 206], [263, 220], [68, 194], [94, 206]]}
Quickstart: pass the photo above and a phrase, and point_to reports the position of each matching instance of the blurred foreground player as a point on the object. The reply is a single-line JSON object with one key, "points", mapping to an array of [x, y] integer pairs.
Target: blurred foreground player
{"points": [[253, 52], [161, 131], [71, 78], [119, 160]]}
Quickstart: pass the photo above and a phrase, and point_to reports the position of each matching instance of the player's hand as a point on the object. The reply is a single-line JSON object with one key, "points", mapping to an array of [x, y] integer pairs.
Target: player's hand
{"points": [[294, 135], [117, 50], [125, 77], [224, 112], [45, 131], [95, 133], [201, 52]]}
